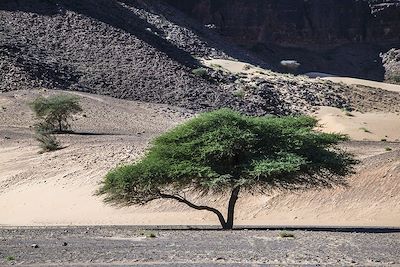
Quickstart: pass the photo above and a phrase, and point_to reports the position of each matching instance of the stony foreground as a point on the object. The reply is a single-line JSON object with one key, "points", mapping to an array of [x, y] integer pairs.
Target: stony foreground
{"points": [[121, 246]]}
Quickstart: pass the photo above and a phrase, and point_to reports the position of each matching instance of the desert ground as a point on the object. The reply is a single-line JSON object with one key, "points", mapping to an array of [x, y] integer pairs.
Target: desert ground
{"points": [[132, 246], [59, 188]]}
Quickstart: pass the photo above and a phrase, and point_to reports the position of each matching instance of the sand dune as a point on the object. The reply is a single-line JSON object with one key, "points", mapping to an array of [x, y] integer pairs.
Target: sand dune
{"points": [[355, 81], [58, 188], [370, 126]]}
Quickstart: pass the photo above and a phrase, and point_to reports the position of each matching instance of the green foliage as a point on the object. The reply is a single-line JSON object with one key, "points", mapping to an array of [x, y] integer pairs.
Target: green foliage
{"points": [[388, 149], [148, 234], [347, 112], [394, 79], [202, 72], [365, 130], [221, 150], [47, 142], [55, 111], [239, 93], [10, 258], [286, 235]]}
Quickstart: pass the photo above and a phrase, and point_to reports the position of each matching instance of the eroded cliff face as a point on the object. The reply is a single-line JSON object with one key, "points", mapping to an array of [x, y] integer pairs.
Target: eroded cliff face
{"points": [[294, 23], [341, 37]]}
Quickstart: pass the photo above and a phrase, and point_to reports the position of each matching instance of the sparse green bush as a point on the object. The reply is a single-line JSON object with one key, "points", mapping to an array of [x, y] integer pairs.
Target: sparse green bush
{"points": [[286, 235], [10, 258], [148, 234], [239, 93], [55, 111], [365, 130], [388, 148], [201, 72], [216, 66], [47, 142], [347, 112], [247, 67], [395, 79]]}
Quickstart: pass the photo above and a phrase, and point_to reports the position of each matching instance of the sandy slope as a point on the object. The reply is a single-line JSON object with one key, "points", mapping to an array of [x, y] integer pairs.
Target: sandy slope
{"points": [[381, 85], [243, 67], [57, 188], [355, 81], [371, 126]]}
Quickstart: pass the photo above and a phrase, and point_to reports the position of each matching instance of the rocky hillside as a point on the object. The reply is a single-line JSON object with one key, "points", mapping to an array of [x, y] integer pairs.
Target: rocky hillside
{"points": [[391, 61], [145, 50], [343, 37]]}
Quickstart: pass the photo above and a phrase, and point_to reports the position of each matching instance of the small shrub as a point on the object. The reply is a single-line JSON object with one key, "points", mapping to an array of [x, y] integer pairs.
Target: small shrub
{"points": [[383, 140], [395, 79], [10, 258], [151, 235], [388, 148], [201, 72], [216, 66], [347, 112], [239, 93], [247, 67], [286, 235], [148, 234], [365, 130], [47, 142]]}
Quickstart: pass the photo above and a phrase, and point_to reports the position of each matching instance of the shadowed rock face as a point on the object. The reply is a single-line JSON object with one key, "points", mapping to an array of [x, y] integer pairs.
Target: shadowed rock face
{"points": [[293, 23], [342, 37]]}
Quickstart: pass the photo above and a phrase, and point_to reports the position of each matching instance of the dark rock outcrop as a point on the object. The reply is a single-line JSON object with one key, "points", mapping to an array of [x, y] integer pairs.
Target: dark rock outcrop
{"points": [[293, 23], [391, 62], [343, 37]]}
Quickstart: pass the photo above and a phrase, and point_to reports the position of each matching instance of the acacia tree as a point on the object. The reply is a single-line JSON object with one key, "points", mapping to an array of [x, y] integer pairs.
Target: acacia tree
{"points": [[224, 151], [55, 111]]}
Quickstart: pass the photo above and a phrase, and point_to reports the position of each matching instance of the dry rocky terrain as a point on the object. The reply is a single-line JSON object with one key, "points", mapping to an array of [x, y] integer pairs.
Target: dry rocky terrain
{"points": [[131, 246]]}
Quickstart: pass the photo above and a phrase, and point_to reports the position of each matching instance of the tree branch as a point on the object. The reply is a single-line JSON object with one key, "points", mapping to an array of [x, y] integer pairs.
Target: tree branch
{"points": [[194, 206]]}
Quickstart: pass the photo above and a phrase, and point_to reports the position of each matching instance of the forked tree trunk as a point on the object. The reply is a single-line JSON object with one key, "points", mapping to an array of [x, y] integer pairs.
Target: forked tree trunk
{"points": [[226, 224]]}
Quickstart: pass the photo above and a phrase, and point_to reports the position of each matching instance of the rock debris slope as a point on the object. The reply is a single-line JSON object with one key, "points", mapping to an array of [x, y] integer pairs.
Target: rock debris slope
{"points": [[141, 50]]}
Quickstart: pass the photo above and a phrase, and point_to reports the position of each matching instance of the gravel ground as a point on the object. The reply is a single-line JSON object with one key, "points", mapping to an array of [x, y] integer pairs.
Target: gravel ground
{"points": [[121, 246]]}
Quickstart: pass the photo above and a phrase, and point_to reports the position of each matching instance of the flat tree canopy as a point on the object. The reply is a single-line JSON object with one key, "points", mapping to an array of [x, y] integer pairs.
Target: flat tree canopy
{"points": [[224, 151], [55, 111]]}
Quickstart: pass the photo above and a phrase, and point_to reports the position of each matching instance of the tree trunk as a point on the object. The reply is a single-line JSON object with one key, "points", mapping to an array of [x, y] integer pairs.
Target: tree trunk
{"points": [[231, 208], [60, 126], [226, 225]]}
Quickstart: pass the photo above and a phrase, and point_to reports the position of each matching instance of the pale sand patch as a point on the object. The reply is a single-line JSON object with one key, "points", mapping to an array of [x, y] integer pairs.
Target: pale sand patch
{"points": [[234, 66], [355, 81], [360, 126]]}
